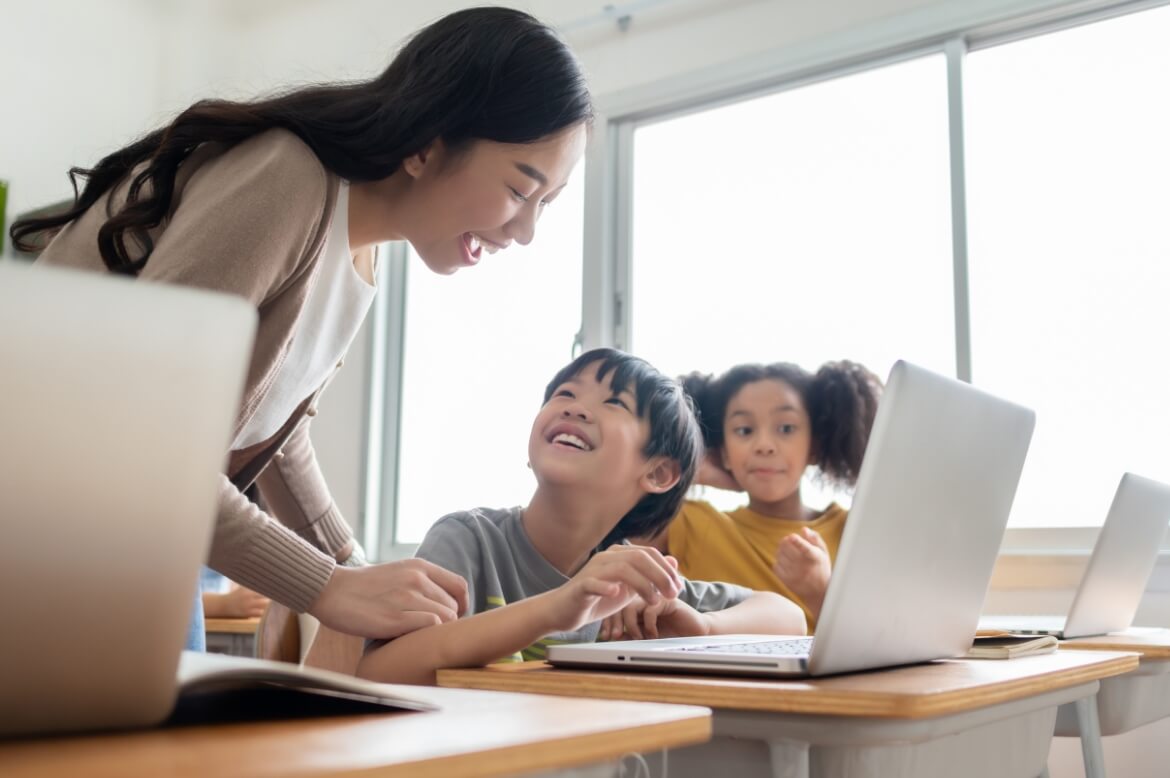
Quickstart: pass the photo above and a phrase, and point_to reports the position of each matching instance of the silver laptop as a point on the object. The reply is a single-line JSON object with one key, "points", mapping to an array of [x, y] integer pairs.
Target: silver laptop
{"points": [[1119, 568], [117, 400], [916, 557]]}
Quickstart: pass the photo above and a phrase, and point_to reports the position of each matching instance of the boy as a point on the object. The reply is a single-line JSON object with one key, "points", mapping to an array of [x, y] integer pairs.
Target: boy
{"points": [[614, 449]]}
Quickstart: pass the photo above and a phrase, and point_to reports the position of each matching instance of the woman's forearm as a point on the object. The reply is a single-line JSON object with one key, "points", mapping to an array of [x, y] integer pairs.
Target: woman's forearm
{"points": [[477, 640]]}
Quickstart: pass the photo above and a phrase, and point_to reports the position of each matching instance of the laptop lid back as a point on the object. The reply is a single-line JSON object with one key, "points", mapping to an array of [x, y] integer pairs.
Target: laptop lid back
{"points": [[119, 399], [929, 511], [1122, 559]]}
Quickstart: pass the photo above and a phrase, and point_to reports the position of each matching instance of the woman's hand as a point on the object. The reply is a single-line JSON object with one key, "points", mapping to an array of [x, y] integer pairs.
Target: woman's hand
{"points": [[390, 599]]}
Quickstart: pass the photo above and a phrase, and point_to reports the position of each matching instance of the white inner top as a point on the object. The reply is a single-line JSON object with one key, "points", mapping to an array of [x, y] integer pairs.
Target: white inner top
{"points": [[336, 307]]}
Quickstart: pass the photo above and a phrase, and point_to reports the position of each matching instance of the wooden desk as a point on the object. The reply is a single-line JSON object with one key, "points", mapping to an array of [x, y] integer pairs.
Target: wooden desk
{"points": [[1132, 700], [474, 734], [231, 636], [956, 718]]}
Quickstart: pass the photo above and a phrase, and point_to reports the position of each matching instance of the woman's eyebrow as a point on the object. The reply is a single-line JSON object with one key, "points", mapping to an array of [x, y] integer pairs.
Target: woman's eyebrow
{"points": [[532, 173]]}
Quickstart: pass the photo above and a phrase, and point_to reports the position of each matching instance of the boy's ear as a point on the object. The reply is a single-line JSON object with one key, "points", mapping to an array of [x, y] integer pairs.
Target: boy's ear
{"points": [[661, 476], [417, 163]]}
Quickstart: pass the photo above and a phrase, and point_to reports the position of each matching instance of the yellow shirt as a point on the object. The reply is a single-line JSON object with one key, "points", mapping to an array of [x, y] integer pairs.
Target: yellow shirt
{"points": [[740, 547]]}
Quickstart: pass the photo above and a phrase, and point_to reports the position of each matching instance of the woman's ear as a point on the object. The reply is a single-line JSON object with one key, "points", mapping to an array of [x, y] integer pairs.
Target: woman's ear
{"points": [[427, 157], [661, 475]]}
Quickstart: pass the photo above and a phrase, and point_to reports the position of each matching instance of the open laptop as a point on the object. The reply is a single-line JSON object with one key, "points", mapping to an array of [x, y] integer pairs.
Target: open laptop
{"points": [[1118, 570], [117, 400], [932, 501]]}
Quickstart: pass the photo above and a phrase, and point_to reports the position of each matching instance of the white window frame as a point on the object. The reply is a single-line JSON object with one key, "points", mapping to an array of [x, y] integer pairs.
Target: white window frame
{"points": [[1057, 553]]}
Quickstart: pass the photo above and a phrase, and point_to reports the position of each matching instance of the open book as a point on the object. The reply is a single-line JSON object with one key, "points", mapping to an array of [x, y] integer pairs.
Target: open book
{"points": [[1006, 645], [217, 688]]}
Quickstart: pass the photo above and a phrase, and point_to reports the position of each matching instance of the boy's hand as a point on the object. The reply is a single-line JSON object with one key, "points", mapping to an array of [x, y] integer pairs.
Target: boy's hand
{"points": [[802, 564], [610, 581], [668, 619]]}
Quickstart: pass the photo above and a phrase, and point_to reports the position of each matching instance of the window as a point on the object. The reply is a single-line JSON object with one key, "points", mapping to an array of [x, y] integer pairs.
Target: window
{"points": [[1068, 165], [805, 226], [479, 348]]}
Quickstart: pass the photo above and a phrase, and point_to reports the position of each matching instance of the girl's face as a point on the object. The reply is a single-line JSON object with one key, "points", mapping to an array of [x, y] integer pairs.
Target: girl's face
{"points": [[767, 440], [486, 196]]}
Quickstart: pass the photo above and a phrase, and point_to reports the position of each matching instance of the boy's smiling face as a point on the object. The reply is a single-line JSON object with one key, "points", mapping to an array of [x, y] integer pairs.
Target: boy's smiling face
{"points": [[588, 435]]}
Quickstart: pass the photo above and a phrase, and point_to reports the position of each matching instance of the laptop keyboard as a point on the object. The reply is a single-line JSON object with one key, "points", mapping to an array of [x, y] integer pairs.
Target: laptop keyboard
{"points": [[789, 647]]}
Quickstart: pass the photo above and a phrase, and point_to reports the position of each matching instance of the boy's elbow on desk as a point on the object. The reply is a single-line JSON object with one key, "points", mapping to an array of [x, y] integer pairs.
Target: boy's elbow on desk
{"points": [[385, 665], [784, 616]]}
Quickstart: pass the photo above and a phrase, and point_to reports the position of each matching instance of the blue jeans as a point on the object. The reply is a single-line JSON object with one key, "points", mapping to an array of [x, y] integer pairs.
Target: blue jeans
{"points": [[196, 637]]}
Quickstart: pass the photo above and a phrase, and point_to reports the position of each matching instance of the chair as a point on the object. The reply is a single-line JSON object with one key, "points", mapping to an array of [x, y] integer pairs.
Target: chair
{"points": [[284, 636]]}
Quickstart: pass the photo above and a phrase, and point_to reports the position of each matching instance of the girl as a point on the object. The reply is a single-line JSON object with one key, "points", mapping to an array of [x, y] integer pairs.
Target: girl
{"points": [[457, 147], [763, 426]]}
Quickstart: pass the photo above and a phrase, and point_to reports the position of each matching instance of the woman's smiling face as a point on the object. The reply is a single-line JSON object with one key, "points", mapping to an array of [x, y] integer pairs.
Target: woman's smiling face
{"points": [[484, 197]]}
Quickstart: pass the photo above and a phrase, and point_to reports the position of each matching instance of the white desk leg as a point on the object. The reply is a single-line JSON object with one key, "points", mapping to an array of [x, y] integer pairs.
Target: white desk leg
{"points": [[789, 759], [1090, 727]]}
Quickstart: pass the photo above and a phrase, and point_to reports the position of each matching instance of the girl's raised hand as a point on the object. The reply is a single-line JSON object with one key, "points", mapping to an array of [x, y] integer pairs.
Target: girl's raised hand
{"points": [[803, 565]]}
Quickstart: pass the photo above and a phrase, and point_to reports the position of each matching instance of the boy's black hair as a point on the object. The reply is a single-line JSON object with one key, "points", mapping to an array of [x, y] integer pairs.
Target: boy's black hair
{"points": [[674, 432], [841, 399]]}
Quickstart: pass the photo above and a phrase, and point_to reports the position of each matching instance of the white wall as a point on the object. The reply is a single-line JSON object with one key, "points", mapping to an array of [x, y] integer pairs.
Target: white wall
{"points": [[80, 79]]}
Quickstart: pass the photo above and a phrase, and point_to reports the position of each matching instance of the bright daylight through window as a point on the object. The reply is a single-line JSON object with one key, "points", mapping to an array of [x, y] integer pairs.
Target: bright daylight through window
{"points": [[480, 347], [806, 226], [1068, 164]]}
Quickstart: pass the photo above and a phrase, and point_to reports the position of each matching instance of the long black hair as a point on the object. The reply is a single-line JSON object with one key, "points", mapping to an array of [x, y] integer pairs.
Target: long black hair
{"points": [[488, 73], [841, 399], [674, 432]]}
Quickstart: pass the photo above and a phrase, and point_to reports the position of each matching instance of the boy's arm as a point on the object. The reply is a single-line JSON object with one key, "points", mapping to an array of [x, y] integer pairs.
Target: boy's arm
{"points": [[765, 613], [609, 581], [761, 613], [476, 640]]}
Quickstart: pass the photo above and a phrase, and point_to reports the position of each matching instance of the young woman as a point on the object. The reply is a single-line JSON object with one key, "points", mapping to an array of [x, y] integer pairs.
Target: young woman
{"points": [[763, 427], [457, 147]]}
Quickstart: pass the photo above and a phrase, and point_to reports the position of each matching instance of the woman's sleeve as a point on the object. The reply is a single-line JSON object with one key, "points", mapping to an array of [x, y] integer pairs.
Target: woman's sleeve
{"points": [[253, 549], [246, 221], [296, 493]]}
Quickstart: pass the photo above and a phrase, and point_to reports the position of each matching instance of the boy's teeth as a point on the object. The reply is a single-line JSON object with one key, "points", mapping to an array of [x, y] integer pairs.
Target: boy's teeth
{"points": [[473, 243], [571, 440]]}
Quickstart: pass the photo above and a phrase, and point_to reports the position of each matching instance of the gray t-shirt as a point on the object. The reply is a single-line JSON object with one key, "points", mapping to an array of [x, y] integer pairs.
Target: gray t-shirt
{"points": [[493, 553]]}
